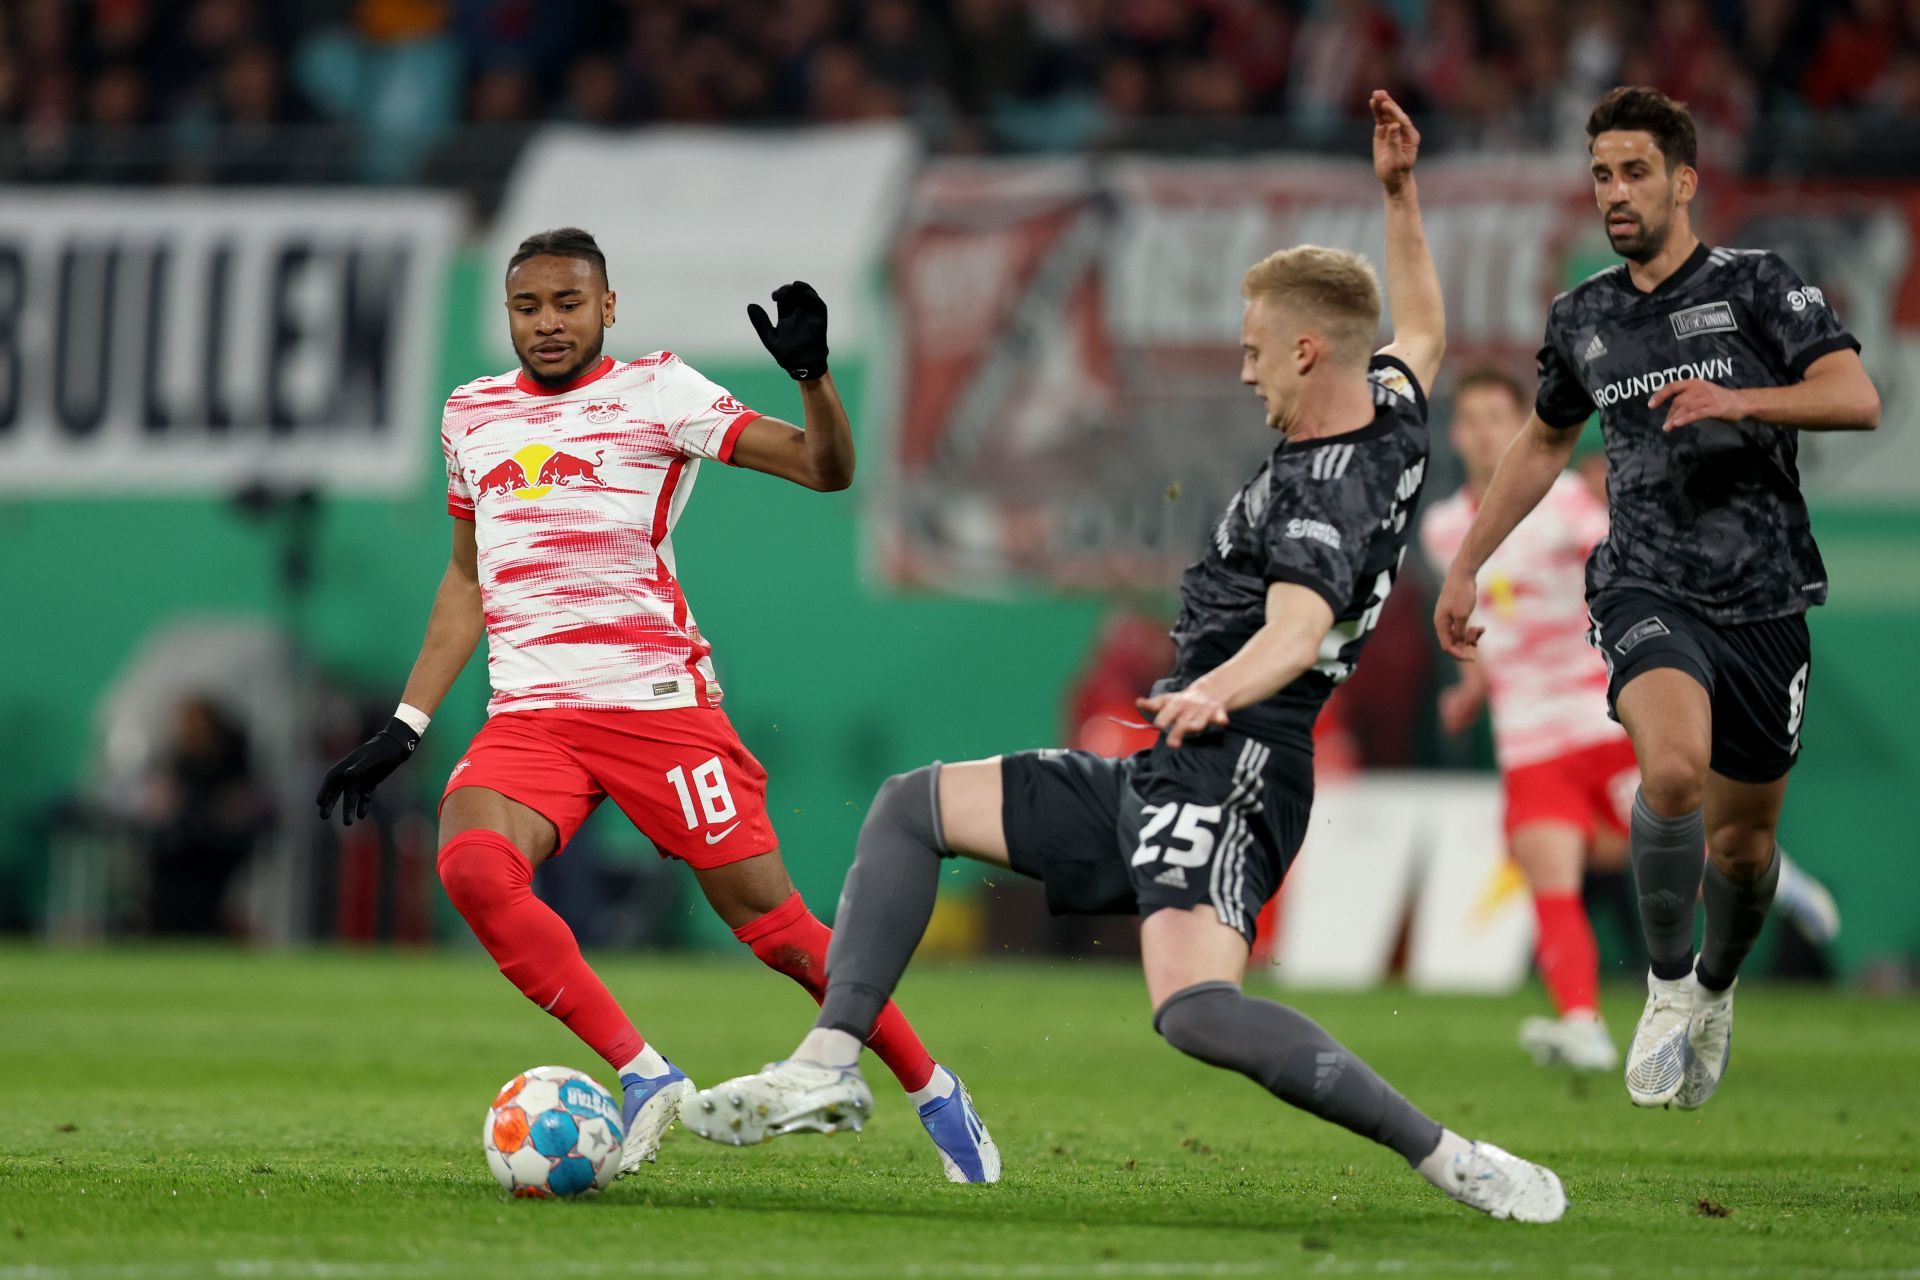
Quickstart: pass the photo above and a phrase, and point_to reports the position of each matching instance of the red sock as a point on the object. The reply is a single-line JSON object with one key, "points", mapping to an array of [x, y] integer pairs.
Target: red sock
{"points": [[1569, 961], [491, 882], [790, 939]]}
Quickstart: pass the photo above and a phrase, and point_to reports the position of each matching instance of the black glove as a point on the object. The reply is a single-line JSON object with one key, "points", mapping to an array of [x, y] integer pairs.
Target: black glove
{"points": [[365, 768], [799, 342]]}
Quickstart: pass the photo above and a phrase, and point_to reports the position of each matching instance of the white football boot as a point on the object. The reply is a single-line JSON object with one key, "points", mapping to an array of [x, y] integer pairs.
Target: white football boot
{"points": [[1657, 1058], [1710, 1043], [1579, 1042], [786, 1097], [1499, 1183]]}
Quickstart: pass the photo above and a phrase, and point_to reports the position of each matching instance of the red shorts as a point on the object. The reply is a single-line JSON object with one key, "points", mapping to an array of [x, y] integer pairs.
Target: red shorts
{"points": [[1589, 789], [682, 776]]}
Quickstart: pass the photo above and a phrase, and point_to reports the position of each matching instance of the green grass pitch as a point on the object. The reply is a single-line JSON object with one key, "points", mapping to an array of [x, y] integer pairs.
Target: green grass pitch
{"points": [[189, 1114]]}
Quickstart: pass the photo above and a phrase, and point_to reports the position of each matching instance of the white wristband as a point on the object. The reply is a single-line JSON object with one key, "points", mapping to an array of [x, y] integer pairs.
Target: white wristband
{"points": [[413, 717]]}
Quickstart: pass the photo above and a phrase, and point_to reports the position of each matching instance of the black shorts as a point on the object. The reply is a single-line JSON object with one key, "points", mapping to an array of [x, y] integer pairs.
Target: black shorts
{"points": [[1216, 822], [1755, 673]]}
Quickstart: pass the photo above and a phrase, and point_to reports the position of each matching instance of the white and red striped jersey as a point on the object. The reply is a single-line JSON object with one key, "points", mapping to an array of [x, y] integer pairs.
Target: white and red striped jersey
{"points": [[1547, 686], [574, 492]]}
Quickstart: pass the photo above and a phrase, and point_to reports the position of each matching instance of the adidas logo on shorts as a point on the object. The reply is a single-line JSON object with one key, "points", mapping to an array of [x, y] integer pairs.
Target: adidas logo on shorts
{"points": [[1172, 877]]}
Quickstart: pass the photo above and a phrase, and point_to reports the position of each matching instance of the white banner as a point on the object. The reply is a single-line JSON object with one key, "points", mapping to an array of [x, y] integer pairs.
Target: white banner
{"points": [[1413, 850], [696, 223], [178, 344]]}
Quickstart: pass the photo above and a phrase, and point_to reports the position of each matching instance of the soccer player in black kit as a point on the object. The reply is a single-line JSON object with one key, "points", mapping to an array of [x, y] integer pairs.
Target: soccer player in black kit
{"points": [[1704, 363], [1196, 833]]}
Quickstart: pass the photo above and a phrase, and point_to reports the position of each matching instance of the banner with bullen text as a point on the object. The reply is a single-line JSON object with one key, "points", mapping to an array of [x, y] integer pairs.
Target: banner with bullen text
{"points": [[197, 343], [1067, 405]]}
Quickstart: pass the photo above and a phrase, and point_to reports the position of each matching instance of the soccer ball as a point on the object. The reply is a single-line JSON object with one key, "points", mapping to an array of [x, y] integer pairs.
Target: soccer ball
{"points": [[553, 1131]]}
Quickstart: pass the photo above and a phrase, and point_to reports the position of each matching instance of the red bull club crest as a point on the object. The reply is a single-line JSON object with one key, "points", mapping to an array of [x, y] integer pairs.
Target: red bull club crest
{"points": [[601, 412]]}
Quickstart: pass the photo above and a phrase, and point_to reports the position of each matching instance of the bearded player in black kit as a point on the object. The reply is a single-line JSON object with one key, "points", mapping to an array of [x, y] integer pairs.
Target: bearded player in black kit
{"points": [[1704, 363]]}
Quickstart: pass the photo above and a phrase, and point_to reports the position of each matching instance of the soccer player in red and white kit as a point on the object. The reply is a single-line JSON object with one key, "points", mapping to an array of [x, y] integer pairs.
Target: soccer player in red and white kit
{"points": [[564, 479], [1567, 768]]}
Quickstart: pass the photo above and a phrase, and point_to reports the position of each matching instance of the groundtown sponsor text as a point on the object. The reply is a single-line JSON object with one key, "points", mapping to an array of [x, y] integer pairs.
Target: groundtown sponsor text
{"points": [[1645, 384]]}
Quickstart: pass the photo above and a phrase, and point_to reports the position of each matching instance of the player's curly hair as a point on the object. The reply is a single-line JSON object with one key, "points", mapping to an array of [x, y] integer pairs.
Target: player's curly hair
{"points": [[1336, 289], [1643, 108], [561, 242]]}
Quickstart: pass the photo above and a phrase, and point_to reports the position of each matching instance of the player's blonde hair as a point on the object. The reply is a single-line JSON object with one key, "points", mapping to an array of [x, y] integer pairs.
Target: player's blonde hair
{"points": [[1329, 290]]}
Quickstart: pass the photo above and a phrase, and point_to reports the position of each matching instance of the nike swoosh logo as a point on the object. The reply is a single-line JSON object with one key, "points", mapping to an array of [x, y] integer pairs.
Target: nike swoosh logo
{"points": [[715, 837]]}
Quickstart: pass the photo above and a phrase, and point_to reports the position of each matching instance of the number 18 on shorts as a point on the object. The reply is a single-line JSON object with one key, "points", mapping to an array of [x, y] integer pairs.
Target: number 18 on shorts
{"points": [[682, 776]]}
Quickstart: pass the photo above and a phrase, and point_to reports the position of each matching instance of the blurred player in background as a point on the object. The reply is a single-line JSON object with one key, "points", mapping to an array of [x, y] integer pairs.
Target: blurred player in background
{"points": [[1703, 364], [1567, 769], [565, 479], [1196, 833]]}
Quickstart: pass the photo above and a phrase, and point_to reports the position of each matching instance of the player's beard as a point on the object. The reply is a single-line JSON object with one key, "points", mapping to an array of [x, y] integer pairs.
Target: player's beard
{"points": [[587, 360], [1644, 242]]}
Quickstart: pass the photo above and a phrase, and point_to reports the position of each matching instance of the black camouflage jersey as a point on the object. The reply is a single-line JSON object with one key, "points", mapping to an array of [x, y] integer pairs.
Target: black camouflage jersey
{"points": [[1330, 514], [1709, 515]]}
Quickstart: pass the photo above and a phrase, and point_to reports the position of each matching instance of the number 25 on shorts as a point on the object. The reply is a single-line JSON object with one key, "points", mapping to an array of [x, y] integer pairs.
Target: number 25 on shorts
{"points": [[710, 784], [1189, 844]]}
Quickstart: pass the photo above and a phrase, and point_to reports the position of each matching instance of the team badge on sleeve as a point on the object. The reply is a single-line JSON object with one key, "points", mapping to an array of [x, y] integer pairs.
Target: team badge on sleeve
{"points": [[1395, 381]]}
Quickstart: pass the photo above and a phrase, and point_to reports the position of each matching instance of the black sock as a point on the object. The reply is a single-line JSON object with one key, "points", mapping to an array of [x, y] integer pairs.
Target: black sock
{"points": [[1736, 911]]}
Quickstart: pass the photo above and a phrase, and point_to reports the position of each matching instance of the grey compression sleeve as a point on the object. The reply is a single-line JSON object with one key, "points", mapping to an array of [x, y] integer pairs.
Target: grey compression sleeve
{"points": [[1289, 1055], [1667, 857], [886, 901]]}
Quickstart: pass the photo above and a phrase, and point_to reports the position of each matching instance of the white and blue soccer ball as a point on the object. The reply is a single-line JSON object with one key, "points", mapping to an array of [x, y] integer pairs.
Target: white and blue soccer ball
{"points": [[553, 1131]]}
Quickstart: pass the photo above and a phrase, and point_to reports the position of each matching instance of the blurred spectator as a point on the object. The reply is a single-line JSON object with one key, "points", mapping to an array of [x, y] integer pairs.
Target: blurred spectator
{"points": [[203, 813], [120, 30], [595, 92], [1256, 40], [1775, 47], [237, 135], [1895, 93], [187, 61], [901, 47], [532, 37], [905, 54], [1126, 90], [997, 53], [1130, 652], [1858, 44], [841, 89], [393, 74], [503, 95], [1445, 59], [115, 146], [1334, 48]]}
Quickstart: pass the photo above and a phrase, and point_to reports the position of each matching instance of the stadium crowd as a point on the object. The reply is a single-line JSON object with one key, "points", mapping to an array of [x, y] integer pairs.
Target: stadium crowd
{"points": [[86, 86]]}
